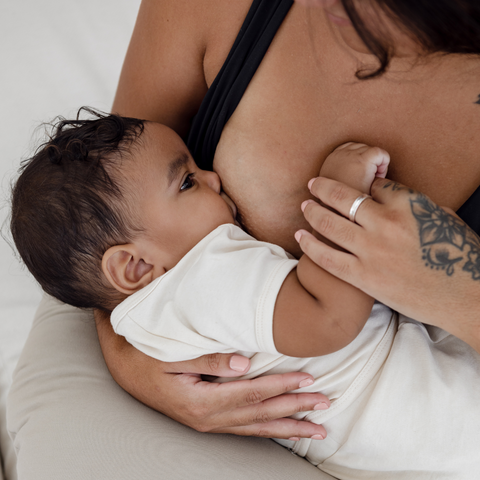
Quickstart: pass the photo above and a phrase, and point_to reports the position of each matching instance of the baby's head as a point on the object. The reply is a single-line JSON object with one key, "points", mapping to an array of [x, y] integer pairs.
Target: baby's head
{"points": [[107, 205]]}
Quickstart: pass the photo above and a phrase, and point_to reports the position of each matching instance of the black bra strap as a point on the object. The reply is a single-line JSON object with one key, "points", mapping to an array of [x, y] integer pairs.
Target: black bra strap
{"points": [[258, 30], [469, 212]]}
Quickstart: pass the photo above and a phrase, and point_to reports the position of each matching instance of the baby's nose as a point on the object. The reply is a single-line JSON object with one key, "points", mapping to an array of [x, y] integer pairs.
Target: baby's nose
{"points": [[213, 181]]}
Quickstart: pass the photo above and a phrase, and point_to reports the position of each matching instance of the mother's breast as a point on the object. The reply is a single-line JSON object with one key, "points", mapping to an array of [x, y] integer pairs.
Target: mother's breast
{"points": [[266, 175]]}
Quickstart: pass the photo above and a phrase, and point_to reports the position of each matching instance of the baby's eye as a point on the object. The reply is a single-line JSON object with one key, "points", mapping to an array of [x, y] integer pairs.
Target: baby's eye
{"points": [[189, 182]]}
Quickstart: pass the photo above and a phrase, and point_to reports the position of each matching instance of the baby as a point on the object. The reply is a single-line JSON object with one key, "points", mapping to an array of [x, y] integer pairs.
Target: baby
{"points": [[113, 213], [108, 206]]}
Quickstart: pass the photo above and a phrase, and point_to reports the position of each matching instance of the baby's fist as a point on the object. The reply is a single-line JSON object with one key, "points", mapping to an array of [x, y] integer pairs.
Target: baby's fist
{"points": [[356, 164]]}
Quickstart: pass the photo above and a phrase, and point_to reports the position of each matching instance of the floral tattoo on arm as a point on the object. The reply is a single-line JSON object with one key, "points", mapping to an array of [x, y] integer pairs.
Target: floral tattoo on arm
{"points": [[447, 243]]}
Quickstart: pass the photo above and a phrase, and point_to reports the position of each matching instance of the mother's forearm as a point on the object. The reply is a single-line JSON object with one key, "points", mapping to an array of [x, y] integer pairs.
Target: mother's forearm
{"points": [[125, 362], [449, 247]]}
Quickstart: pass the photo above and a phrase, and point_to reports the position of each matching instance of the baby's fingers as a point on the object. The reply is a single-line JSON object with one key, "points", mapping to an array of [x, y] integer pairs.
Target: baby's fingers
{"points": [[382, 167]]}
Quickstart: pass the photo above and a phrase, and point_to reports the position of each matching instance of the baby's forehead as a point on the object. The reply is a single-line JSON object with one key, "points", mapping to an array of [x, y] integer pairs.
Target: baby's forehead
{"points": [[159, 148], [158, 156]]}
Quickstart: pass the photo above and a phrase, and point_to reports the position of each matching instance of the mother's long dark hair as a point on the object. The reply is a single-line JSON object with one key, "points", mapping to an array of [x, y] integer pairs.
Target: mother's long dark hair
{"points": [[443, 26]]}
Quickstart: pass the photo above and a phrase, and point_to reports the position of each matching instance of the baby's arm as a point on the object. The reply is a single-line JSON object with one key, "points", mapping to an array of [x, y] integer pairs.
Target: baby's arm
{"points": [[315, 312]]}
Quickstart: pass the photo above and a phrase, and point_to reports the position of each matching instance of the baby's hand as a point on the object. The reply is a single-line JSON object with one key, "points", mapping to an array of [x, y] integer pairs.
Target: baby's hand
{"points": [[356, 164]]}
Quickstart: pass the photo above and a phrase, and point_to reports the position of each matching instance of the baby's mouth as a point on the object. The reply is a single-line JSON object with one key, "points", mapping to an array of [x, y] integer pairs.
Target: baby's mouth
{"points": [[230, 203]]}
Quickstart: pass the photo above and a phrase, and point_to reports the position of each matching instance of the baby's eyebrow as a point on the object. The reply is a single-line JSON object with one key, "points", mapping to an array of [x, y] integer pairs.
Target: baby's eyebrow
{"points": [[175, 167]]}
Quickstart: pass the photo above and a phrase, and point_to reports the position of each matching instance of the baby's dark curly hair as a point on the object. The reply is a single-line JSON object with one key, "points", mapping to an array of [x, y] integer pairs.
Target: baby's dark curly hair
{"points": [[69, 207]]}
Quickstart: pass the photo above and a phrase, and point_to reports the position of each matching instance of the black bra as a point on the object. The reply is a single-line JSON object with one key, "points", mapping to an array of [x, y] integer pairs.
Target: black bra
{"points": [[257, 32], [252, 42]]}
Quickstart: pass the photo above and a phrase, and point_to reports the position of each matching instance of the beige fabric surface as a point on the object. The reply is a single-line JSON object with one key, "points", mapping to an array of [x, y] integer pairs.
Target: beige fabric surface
{"points": [[1, 471], [70, 420], [3, 432]]}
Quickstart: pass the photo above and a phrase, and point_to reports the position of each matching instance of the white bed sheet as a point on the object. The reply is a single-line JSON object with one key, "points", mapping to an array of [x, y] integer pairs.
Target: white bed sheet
{"points": [[55, 56]]}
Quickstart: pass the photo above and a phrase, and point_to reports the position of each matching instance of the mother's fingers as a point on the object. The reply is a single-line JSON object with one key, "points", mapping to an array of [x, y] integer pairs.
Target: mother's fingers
{"points": [[268, 390], [340, 197], [218, 407], [286, 428], [334, 227], [385, 190], [273, 409], [342, 265], [242, 393], [215, 364]]}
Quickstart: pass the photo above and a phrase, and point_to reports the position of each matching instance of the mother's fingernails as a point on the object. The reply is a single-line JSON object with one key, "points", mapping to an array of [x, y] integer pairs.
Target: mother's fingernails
{"points": [[294, 439], [310, 183], [321, 406], [305, 383], [298, 236], [305, 203], [317, 437], [238, 363]]}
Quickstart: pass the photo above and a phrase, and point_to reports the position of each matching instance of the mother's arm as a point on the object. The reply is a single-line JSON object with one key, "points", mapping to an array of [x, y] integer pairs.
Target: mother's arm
{"points": [[247, 407], [404, 250], [163, 80]]}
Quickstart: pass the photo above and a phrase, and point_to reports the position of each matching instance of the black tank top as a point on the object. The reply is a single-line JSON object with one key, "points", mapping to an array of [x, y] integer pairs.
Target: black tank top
{"points": [[257, 32]]}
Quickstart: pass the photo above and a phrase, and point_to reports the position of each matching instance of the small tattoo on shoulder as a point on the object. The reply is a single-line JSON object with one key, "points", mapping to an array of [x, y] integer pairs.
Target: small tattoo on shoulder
{"points": [[478, 100], [445, 240]]}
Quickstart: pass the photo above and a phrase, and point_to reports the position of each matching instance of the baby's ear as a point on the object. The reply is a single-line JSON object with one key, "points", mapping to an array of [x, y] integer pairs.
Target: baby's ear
{"points": [[125, 269]]}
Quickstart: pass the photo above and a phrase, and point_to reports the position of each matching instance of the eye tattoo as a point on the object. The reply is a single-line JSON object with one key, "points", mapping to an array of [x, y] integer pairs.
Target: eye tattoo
{"points": [[445, 240]]}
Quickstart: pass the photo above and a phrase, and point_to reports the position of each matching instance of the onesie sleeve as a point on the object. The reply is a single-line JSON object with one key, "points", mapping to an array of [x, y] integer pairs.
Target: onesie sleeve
{"points": [[219, 298]]}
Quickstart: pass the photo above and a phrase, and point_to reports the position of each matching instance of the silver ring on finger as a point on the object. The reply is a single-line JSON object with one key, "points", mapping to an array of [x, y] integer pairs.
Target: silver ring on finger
{"points": [[356, 204]]}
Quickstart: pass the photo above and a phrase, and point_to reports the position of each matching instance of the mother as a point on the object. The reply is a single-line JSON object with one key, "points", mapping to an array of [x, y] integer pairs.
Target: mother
{"points": [[381, 72]]}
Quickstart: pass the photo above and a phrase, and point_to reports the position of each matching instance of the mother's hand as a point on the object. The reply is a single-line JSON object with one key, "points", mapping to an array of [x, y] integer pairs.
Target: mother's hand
{"points": [[404, 250], [247, 407]]}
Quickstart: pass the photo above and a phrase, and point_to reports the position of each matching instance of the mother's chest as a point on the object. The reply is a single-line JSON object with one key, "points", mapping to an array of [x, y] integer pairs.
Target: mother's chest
{"points": [[292, 116]]}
